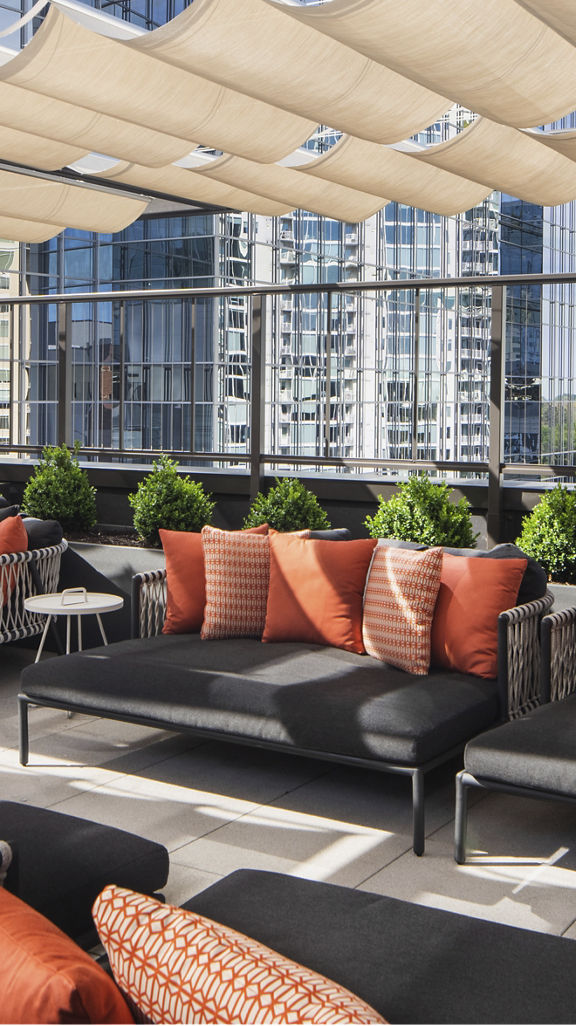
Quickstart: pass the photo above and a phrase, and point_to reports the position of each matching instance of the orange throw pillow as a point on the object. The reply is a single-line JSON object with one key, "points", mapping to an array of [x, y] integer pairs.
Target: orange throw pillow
{"points": [[316, 591], [46, 977], [177, 966], [185, 579], [237, 567], [13, 538], [473, 592], [401, 593]]}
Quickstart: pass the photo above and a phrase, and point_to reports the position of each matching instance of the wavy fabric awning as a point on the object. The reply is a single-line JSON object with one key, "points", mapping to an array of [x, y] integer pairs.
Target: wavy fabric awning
{"points": [[252, 80], [75, 206]]}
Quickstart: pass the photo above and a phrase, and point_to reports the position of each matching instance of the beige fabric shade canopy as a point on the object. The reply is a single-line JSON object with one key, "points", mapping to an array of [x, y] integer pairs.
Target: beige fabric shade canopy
{"points": [[252, 79]]}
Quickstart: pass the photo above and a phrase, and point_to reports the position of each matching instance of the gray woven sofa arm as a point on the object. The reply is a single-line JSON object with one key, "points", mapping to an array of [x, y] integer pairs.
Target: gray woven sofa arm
{"points": [[148, 603], [22, 574], [558, 632], [519, 656]]}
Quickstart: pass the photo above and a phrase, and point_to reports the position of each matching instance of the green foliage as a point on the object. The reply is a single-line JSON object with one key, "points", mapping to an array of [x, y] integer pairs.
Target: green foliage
{"points": [[288, 506], [60, 490], [421, 511], [165, 499], [549, 533]]}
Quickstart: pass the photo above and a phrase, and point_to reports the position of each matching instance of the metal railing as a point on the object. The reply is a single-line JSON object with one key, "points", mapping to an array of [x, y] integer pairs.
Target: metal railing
{"points": [[252, 458]]}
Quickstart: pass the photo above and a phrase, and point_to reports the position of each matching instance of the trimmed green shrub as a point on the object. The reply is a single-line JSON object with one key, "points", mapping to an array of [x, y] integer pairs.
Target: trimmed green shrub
{"points": [[421, 511], [60, 490], [549, 534], [288, 506], [165, 499]]}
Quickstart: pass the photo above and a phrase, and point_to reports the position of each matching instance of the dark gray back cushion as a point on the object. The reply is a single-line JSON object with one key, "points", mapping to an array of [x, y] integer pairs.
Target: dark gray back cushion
{"points": [[534, 582], [332, 534], [42, 533], [535, 578], [9, 511]]}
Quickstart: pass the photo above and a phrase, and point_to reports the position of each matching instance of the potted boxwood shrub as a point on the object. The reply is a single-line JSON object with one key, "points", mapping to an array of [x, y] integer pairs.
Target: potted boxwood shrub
{"points": [[422, 511], [59, 489], [287, 506], [164, 498], [549, 534]]}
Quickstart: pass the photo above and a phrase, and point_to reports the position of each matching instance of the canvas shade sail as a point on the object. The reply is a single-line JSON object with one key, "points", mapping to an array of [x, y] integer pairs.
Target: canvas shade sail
{"points": [[288, 185], [259, 47], [20, 230], [495, 57], [179, 181], [76, 206], [253, 78]]}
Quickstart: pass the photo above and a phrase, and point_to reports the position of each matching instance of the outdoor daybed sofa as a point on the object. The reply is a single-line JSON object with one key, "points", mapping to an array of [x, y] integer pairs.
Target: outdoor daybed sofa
{"points": [[308, 699], [410, 963]]}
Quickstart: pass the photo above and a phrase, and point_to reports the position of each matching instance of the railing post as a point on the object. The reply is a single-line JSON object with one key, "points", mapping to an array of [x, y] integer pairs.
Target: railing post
{"points": [[121, 373], [64, 375], [328, 376], [257, 392], [495, 452], [414, 440]]}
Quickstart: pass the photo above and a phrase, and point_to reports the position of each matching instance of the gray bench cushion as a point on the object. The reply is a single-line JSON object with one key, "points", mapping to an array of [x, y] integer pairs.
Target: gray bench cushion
{"points": [[413, 964], [537, 751], [61, 863], [298, 696]]}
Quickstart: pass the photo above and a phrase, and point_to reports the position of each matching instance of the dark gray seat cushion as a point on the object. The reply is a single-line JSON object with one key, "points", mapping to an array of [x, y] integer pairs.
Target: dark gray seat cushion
{"points": [[61, 863], [413, 964], [537, 751], [300, 696]]}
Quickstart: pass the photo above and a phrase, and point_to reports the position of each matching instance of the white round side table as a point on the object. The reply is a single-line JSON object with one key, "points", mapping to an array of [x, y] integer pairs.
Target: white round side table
{"points": [[72, 602]]}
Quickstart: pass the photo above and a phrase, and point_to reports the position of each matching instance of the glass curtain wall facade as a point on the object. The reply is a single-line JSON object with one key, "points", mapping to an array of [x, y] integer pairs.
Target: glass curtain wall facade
{"points": [[350, 377]]}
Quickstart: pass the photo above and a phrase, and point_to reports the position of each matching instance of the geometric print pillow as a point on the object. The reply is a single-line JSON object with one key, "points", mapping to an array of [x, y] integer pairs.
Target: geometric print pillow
{"points": [[237, 569], [178, 967], [399, 601]]}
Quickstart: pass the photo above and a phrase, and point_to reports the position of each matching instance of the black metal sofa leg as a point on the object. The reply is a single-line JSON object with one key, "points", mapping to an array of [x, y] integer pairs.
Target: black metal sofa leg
{"points": [[418, 821], [24, 738], [461, 818]]}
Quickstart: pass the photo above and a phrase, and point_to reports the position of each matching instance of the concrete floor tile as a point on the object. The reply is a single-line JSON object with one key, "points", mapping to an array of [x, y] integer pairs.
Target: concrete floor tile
{"points": [[52, 781], [382, 801], [163, 812], [184, 883], [523, 875], [280, 840], [238, 771]]}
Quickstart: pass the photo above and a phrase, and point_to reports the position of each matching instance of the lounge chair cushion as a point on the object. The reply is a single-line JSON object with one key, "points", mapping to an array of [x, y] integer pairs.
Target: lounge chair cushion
{"points": [[287, 694], [536, 751]]}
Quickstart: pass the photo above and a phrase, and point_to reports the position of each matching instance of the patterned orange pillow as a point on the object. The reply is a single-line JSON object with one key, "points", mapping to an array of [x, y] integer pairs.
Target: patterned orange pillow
{"points": [[237, 569], [179, 967], [399, 602], [185, 584]]}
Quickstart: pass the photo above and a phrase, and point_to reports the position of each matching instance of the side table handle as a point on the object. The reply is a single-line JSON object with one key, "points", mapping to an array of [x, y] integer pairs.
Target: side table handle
{"points": [[73, 596]]}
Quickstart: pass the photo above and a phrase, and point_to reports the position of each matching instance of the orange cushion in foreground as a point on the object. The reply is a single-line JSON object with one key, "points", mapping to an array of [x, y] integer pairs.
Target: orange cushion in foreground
{"points": [[46, 977], [473, 592], [316, 591]]}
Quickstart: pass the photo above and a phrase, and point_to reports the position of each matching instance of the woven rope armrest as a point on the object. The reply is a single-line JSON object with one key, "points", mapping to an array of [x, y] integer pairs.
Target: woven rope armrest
{"points": [[148, 603], [22, 574], [558, 638], [519, 658]]}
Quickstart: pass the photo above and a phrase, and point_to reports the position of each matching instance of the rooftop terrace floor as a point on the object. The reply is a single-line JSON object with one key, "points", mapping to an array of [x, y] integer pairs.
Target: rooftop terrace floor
{"points": [[219, 807]]}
